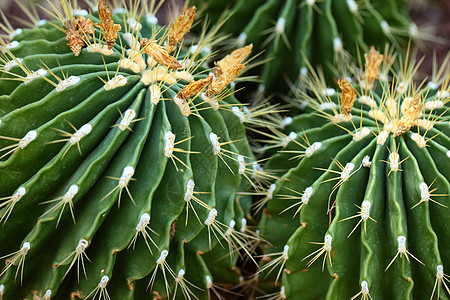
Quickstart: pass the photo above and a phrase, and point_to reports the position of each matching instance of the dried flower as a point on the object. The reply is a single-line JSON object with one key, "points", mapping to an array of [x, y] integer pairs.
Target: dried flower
{"points": [[181, 26], [219, 83], [107, 26], [348, 95], [411, 108], [194, 87], [159, 53], [373, 61], [83, 26], [234, 58], [73, 37]]}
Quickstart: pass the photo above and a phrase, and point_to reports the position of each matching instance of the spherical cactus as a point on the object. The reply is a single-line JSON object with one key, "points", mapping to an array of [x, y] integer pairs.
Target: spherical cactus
{"points": [[120, 159], [361, 211], [293, 33]]}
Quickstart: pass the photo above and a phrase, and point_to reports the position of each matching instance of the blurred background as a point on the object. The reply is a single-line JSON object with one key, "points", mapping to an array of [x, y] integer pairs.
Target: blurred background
{"points": [[435, 15]]}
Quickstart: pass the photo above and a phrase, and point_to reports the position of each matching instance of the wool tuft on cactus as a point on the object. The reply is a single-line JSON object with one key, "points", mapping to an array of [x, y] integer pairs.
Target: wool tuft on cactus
{"points": [[362, 208], [121, 158]]}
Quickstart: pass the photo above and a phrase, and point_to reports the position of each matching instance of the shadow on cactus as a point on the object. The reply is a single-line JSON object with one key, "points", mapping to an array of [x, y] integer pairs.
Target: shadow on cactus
{"points": [[362, 209], [120, 158], [293, 32]]}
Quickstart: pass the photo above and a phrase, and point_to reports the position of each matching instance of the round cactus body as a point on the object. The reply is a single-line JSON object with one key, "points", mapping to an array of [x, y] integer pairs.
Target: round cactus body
{"points": [[295, 33], [120, 160], [362, 208]]}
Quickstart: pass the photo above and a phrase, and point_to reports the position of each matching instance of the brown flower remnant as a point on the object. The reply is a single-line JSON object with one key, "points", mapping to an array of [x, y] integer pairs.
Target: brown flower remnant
{"points": [[219, 83], [411, 108], [159, 53], [76, 31], [194, 87], [74, 40], [348, 95], [181, 26], [107, 25], [84, 26], [228, 62], [373, 61], [173, 227]]}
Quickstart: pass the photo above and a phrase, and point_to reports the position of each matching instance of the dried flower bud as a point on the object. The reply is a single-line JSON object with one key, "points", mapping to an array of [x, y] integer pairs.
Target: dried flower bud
{"points": [[159, 53], [194, 87], [411, 108], [107, 25], [373, 61], [219, 83], [83, 25], [181, 26], [74, 40], [234, 58], [348, 95]]}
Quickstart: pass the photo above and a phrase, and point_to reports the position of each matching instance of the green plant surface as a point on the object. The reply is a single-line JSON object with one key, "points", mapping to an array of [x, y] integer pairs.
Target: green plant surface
{"points": [[292, 34], [362, 208], [119, 178]]}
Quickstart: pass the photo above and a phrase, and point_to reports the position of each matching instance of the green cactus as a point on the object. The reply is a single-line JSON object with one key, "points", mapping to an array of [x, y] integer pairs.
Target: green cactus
{"points": [[361, 210], [106, 190], [291, 33]]}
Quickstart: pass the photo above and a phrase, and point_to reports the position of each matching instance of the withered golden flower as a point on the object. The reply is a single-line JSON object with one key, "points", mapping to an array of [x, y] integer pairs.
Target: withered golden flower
{"points": [[194, 87], [373, 61], [107, 25], [160, 54], [181, 26], [348, 95], [232, 59], [219, 83]]}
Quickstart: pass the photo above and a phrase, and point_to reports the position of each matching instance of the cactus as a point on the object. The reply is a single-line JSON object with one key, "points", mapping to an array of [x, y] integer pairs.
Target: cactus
{"points": [[106, 190], [292, 33], [361, 211]]}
